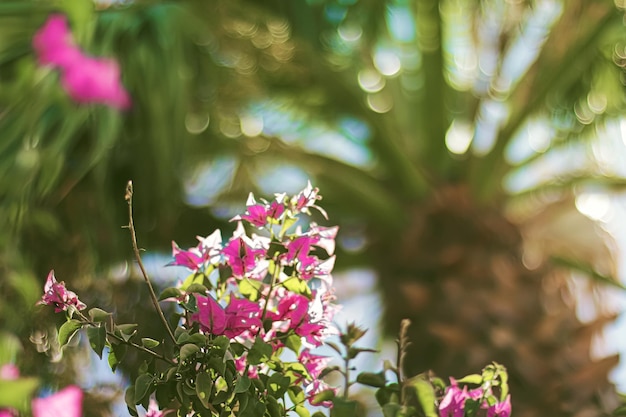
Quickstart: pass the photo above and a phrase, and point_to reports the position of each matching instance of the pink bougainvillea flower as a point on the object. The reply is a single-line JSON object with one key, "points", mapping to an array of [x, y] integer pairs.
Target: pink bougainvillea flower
{"points": [[502, 409], [191, 259], [95, 80], [55, 294], [54, 44], [66, 403], [256, 214], [243, 253], [210, 315], [9, 372], [316, 387], [241, 365], [292, 307], [325, 237], [453, 402], [259, 214], [298, 249], [275, 210], [211, 247], [305, 198], [86, 79], [154, 411], [314, 364], [242, 315]]}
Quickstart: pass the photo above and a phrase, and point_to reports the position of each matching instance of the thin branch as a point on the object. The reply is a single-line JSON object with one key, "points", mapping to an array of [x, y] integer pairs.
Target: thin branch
{"points": [[126, 342], [131, 227]]}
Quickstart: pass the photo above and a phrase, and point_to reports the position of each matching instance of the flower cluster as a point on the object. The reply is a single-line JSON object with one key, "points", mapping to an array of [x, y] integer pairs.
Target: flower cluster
{"points": [[86, 79], [243, 338], [274, 284], [456, 400], [55, 294]]}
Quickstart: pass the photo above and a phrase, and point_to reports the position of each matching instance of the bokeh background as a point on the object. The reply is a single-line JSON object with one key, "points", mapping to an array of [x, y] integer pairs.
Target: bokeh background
{"points": [[472, 151]]}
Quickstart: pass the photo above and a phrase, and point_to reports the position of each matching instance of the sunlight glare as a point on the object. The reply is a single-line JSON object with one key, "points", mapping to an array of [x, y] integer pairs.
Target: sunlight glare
{"points": [[459, 137], [370, 80], [596, 206], [387, 62]]}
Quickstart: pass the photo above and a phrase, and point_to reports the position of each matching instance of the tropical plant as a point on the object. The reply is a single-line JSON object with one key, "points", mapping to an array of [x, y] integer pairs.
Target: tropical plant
{"points": [[433, 101]]}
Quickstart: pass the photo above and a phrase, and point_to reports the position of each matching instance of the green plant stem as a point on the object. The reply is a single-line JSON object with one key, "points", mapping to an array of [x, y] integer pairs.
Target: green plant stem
{"points": [[346, 389], [131, 227]]}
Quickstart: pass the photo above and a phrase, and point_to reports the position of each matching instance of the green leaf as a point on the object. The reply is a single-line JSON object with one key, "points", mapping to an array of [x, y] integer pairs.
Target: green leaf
{"points": [[302, 411], [17, 393], [296, 394], [287, 223], [170, 292], [149, 343], [371, 379], [328, 370], [298, 286], [187, 351], [273, 408], [251, 289], [126, 331], [192, 279], [277, 384], [343, 408], [67, 330], [471, 379], [390, 410], [204, 383], [425, 395], [222, 342], [129, 398], [334, 347], [97, 338], [326, 395], [143, 385], [197, 288], [99, 316], [242, 384], [260, 352], [352, 334], [294, 343], [353, 352]]}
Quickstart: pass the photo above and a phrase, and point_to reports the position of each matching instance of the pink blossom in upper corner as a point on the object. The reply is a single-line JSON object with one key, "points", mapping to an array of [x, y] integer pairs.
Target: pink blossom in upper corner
{"points": [[9, 372], [54, 44], [95, 80], [65, 403], [86, 79], [55, 294]]}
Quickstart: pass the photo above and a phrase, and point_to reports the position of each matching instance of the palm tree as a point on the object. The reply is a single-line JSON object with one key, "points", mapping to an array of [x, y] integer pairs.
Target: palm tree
{"points": [[434, 95]]}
